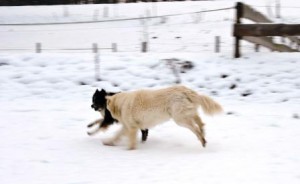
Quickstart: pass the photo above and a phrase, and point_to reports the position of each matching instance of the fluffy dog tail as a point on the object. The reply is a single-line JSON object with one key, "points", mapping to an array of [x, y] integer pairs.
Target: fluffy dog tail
{"points": [[209, 106]]}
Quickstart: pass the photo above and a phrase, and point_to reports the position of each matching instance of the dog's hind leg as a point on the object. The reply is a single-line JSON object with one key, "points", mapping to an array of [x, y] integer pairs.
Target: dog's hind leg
{"points": [[144, 135], [188, 123], [200, 124]]}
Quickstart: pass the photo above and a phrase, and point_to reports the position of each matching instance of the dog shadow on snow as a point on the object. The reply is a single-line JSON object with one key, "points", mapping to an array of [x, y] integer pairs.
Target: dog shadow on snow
{"points": [[156, 144], [176, 146]]}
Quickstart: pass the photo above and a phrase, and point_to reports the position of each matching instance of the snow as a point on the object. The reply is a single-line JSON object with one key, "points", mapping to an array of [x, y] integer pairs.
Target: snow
{"points": [[45, 100]]}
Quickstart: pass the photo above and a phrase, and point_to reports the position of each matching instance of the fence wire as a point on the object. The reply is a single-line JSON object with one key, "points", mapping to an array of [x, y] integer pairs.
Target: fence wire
{"points": [[116, 20]]}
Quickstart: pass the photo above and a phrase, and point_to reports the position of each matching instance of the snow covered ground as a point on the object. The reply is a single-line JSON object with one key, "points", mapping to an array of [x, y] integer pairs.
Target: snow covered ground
{"points": [[45, 102]]}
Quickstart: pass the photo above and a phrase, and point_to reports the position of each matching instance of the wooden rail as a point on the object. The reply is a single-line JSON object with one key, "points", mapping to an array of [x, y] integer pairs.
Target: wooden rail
{"points": [[259, 34], [266, 30]]}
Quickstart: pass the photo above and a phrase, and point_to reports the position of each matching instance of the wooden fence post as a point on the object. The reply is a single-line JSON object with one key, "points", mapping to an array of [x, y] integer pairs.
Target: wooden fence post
{"points": [[65, 11], [144, 46], [269, 10], [97, 61], [278, 9], [256, 47], [38, 47], [239, 15], [95, 48], [96, 15], [145, 36], [197, 17], [114, 47], [217, 44], [105, 12]]}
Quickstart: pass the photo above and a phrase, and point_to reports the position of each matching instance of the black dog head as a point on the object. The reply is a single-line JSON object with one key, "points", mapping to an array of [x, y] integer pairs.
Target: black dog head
{"points": [[99, 101]]}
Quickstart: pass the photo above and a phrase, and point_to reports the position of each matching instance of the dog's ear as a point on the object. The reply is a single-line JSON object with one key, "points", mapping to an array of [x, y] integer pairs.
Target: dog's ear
{"points": [[103, 91]]}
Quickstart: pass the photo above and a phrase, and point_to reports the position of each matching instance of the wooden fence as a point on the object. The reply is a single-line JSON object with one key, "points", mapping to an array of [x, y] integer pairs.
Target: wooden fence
{"points": [[260, 34]]}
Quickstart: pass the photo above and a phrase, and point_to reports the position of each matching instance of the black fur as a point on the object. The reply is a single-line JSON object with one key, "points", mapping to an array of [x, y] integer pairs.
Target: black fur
{"points": [[99, 103]]}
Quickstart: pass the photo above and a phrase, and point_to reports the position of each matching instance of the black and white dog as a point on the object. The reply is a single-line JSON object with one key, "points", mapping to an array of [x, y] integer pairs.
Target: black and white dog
{"points": [[99, 104]]}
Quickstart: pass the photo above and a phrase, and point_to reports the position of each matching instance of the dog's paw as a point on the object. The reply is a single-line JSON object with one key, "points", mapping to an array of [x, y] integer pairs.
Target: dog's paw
{"points": [[90, 133], [203, 141], [91, 125], [108, 143], [131, 148]]}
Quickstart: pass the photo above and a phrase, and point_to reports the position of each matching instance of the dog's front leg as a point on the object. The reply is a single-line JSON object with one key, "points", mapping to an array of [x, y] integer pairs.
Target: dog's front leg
{"points": [[116, 138], [132, 134], [98, 121]]}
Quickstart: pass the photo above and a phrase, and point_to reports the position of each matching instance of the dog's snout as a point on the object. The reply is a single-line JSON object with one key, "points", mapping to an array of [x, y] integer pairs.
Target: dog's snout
{"points": [[95, 107]]}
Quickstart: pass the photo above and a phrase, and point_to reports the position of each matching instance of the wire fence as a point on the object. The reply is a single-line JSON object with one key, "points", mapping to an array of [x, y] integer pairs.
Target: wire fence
{"points": [[155, 45], [115, 20], [152, 47], [112, 27], [284, 7]]}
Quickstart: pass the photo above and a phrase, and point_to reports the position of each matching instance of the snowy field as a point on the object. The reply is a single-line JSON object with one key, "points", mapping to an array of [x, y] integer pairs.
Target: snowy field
{"points": [[45, 98]]}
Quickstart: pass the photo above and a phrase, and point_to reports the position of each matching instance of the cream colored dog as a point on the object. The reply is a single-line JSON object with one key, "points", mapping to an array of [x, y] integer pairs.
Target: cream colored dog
{"points": [[144, 109]]}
